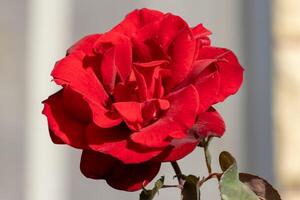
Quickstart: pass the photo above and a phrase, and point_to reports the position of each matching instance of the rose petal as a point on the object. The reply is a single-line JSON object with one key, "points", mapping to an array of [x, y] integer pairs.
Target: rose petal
{"points": [[207, 87], [181, 145], [108, 69], [124, 92], [200, 31], [209, 123], [85, 45], [146, 46], [136, 20], [136, 114], [142, 85], [96, 165], [231, 72], [184, 105], [153, 108], [71, 72], [180, 116], [173, 153], [120, 176], [114, 141], [133, 177], [150, 76], [75, 105], [182, 61], [159, 89], [198, 67], [122, 58], [55, 139], [154, 63], [64, 127], [169, 28], [200, 34], [131, 112], [155, 135], [206, 79]]}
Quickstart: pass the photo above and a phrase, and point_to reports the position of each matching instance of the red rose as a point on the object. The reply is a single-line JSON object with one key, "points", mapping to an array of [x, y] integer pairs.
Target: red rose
{"points": [[139, 95]]}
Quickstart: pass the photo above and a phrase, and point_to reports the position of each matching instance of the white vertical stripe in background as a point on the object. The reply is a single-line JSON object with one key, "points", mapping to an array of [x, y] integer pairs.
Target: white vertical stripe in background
{"points": [[48, 33]]}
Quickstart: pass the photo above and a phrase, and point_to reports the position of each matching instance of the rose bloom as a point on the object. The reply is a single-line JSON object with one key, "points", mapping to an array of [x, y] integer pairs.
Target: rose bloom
{"points": [[139, 95]]}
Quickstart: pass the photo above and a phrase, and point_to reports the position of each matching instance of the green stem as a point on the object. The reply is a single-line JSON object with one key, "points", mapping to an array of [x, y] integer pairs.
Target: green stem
{"points": [[210, 176], [207, 155], [170, 186], [177, 171], [207, 161]]}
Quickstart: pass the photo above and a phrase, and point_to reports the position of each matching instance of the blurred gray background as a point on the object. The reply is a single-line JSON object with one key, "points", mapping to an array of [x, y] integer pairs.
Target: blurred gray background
{"points": [[36, 33]]}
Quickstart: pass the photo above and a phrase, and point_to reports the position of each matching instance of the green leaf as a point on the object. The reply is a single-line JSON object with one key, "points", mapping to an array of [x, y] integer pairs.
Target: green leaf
{"points": [[231, 187], [149, 194], [226, 160], [260, 186], [190, 189]]}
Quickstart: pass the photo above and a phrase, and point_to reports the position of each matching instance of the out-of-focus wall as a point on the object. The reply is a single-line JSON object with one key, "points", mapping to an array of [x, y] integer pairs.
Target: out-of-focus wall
{"points": [[12, 68], [45, 166], [258, 57], [287, 96]]}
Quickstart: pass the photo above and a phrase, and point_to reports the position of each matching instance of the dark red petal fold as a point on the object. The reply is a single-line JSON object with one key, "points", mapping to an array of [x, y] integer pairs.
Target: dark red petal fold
{"points": [[65, 127], [123, 93], [133, 177], [75, 105], [118, 175], [97, 165], [55, 139]]}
